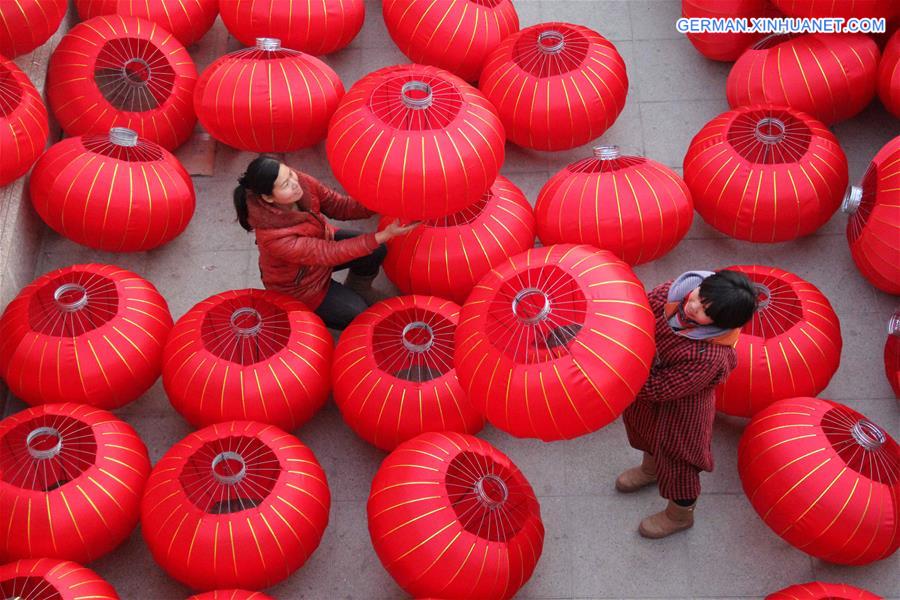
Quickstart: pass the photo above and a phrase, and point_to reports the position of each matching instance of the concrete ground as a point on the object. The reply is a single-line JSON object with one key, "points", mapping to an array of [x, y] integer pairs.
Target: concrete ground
{"points": [[591, 549]]}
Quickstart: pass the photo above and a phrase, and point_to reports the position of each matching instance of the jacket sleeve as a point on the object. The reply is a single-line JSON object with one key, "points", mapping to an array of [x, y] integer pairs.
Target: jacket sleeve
{"points": [[304, 250], [680, 380], [335, 205]]}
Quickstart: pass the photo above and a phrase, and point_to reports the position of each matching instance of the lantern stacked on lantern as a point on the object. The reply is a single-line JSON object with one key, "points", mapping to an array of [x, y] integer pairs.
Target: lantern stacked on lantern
{"points": [[187, 21], [23, 122], [26, 24]]}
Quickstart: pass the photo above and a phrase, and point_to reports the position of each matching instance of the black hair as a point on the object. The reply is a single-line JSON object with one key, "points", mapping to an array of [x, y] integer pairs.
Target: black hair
{"points": [[259, 178], [729, 299]]}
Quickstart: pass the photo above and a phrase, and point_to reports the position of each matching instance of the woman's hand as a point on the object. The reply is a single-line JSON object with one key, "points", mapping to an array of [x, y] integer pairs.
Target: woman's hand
{"points": [[395, 229]]}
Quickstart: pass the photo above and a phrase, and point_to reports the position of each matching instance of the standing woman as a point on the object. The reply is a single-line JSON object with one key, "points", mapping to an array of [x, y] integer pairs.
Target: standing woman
{"points": [[299, 249]]}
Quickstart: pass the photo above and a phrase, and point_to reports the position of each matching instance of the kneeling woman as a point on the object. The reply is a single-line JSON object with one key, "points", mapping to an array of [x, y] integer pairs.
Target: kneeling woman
{"points": [[299, 249]]}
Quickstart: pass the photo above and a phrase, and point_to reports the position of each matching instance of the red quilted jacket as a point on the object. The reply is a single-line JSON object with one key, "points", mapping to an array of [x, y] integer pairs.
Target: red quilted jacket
{"points": [[297, 249]]}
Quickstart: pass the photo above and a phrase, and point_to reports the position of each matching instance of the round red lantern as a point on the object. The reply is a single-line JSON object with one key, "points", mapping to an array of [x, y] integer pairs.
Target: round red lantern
{"points": [[873, 230], [394, 375], [555, 342], [824, 478], [248, 355], [230, 595], [791, 347], [634, 207], [415, 142], [23, 122], [267, 98], [817, 590], [187, 21], [765, 173], [237, 504], [889, 75], [723, 46], [113, 192], [451, 516], [447, 256], [90, 333], [49, 579], [115, 71], [320, 27], [892, 353], [456, 35], [71, 478], [26, 24], [830, 76], [886, 9]]}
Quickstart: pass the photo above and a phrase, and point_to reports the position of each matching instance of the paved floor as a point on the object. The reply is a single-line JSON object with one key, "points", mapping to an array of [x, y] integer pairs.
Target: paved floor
{"points": [[592, 549]]}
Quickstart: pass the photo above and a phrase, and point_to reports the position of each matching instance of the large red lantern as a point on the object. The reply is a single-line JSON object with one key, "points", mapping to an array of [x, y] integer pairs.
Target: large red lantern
{"points": [[230, 595], [115, 71], [723, 46], [791, 347], [187, 20], [451, 516], [447, 256], [456, 35], [831, 8], [49, 579], [634, 207], [892, 354], [248, 355], [71, 478], [238, 504], [23, 122], [319, 27], [817, 590], [26, 24], [824, 478], [267, 98], [394, 375], [555, 342], [889, 75], [765, 173], [415, 142], [830, 76], [87, 333], [556, 85], [113, 192], [873, 230]]}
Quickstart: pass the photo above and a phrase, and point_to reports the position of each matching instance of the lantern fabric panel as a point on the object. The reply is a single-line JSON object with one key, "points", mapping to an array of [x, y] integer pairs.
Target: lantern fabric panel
{"points": [[817, 590], [248, 355], [114, 71], [889, 76], [447, 256], [555, 85], [892, 354], [456, 35], [187, 20], [230, 595], [726, 47], [38, 579], [555, 342], [27, 24], [830, 76], [23, 122], [886, 9], [89, 333], [634, 207], [450, 516], [267, 98], [71, 478], [237, 504], [824, 478]]}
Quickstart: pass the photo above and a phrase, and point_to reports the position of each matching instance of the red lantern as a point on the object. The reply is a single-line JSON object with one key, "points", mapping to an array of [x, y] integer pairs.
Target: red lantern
{"points": [[634, 207], [394, 375], [267, 98], [23, 122], [723, 46], [765, 173], [555, 342], [231, 595], [48, 579], [118, 71], [415, 142], [892, 353], [320, 27], [873, 230], [88, 333], [113, 192], [238, 504], [26, 24], [248, 355], [824, 478], [791, 347], [816, 590], [456, 35], [71, 478], [889, 75], [187, 21], [451, 516], [556, 85], [447, 256], [886, 9], [830, 76]]}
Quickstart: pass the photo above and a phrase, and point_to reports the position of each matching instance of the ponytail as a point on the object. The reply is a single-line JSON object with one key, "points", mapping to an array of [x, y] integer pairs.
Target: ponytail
{"points": [[259, 178], [240, 207]]}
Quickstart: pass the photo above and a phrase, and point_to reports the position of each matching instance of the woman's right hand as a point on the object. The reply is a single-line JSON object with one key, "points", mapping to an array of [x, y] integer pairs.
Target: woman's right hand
{"points": [[395, 229]]}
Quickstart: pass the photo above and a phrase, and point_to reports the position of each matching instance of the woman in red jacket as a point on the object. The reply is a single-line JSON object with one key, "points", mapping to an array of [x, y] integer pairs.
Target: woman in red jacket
{"points": [[299, 249], [698, 320]]}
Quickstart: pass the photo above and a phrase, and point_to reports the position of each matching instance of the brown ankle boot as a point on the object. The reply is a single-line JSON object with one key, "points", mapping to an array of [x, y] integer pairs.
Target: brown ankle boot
{"points": [[362, 285], [672, 520], [638, 477]]}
